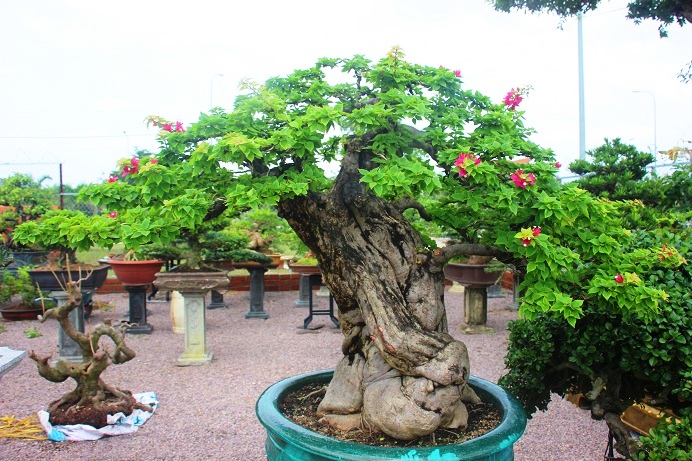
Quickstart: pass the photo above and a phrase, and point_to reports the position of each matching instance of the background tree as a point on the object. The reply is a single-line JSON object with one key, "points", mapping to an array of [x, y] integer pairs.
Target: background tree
{"points": [[616, 170], [666, 12], [394, 131]]}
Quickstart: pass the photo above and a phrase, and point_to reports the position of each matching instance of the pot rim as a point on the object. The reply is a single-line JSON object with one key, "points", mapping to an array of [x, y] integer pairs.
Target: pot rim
{"points": [[509, 430]]}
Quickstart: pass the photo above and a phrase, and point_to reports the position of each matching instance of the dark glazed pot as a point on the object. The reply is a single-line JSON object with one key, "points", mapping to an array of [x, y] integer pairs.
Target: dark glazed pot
{"points": [[287, 441], [55, 280]]}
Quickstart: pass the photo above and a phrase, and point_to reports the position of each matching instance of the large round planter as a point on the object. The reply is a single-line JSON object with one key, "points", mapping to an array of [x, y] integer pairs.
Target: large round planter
{"points": [[287, 441], [56, 280], [471, 275], [135, 273]]}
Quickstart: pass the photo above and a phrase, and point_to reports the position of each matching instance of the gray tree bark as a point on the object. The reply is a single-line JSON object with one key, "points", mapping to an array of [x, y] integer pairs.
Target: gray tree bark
{"points": [[402, 373]]}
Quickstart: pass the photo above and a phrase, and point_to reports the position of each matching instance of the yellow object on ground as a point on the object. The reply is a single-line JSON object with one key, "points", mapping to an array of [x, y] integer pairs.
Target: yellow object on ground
{"points": [[27, 428]]}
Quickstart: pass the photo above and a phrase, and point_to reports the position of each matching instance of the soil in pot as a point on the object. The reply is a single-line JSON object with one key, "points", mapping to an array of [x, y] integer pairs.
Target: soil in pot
{"points": [[301, 405]]}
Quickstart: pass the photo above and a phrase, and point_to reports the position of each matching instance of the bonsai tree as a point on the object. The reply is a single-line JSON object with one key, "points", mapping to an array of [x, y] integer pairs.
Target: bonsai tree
{"points": [[159, 200], [395, 132], [64, 232], [617, 170], [23, 199], [93, 399]]}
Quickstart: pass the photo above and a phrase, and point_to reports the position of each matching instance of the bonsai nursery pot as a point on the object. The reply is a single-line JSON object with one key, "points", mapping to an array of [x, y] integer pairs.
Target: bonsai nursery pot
{"points": [[287, 440], [135, 272], [306, 269], [55, 280]]}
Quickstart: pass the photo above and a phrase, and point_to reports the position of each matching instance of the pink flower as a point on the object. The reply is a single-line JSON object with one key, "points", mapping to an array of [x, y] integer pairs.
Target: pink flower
{"points": [[167, 127], [126, 170], [619, 278], [113, 214], [558, 165], [525, 242], [112, 178], [457, 73], [536, 231], [154, 161], [179, 127], [134, 161], [513, 99], [522, 179], [464, 160]]}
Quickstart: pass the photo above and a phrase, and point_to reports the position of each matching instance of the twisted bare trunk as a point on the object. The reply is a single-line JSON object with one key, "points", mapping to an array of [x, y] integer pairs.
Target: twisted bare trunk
{"points": [[401, 373]]}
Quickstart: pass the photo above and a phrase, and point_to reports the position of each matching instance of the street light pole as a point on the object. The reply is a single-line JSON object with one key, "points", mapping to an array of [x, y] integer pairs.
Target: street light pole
{"points": [[211, 90], [655, 130]]}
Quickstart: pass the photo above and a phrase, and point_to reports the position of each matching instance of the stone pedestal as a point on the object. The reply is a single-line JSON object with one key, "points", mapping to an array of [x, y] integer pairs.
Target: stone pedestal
{"points": [[476, 310], [257, 293], [303, 292], [138, 310], [67, 348], [177, 312], [193, 286], [195, 330], [217, 301]]}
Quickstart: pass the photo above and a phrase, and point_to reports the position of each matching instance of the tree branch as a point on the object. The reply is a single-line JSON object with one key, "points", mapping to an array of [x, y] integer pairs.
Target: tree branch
{"points": [[406, 203]]}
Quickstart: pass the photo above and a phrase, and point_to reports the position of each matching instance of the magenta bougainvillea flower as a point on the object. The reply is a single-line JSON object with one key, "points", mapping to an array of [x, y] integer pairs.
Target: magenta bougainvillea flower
{"points": [[112, 178], [167, 127], [179, 127], [464, 160], [113, 214], [522, 179], [558, 165], [527, 235], [513, 98], [619, 278], [457, 73]]}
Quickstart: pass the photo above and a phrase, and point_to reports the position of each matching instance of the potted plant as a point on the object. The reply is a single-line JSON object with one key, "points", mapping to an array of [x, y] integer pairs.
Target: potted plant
{"points": [[22, 199], [64, 232], [399, 131], [20, 298], [93, 400]]}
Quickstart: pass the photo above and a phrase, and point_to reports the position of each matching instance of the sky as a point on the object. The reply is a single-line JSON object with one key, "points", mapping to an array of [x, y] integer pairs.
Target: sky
{"points": [[79, 77]]}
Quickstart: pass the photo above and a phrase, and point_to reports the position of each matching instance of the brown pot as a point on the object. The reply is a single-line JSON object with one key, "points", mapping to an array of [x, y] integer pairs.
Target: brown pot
{"points": [[307, 269], [135, 273], [471, 275]]}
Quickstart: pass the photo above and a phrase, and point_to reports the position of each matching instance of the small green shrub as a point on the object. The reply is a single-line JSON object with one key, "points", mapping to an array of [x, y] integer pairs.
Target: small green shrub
{"points": [[669, 440], [32, 333]]}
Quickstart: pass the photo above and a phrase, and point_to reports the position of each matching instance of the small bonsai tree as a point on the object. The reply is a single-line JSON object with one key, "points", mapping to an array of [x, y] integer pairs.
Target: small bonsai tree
{"points": [[24, 199], [93, 399]]}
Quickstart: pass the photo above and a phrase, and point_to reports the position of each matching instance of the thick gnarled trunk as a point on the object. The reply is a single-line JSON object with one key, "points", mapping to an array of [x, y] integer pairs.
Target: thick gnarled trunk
{"points": [[401, 373]]}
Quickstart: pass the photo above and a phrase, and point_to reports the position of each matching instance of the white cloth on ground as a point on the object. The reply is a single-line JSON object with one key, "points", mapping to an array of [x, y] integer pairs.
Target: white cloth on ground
{"points": [[118, 424]]}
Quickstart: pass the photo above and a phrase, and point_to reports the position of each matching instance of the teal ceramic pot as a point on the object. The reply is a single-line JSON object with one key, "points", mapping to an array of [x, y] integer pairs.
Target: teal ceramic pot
{"points": [[287, 441]]}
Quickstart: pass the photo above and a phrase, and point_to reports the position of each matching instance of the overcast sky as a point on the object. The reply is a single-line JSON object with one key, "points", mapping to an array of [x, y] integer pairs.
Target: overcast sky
{"points": [[79, 77]]}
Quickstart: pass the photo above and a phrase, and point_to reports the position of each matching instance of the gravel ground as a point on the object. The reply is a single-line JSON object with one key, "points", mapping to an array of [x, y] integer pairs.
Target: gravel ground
{"points": [[207, 412]]}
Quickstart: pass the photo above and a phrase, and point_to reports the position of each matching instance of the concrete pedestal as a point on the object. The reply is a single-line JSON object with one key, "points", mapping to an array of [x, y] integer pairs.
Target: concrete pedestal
{"points": [[67, 348], [195, 332], [257, 293], [217, 301], [193, 286], [138, 310], [177, 312], [476, 311], [303, 292]]}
